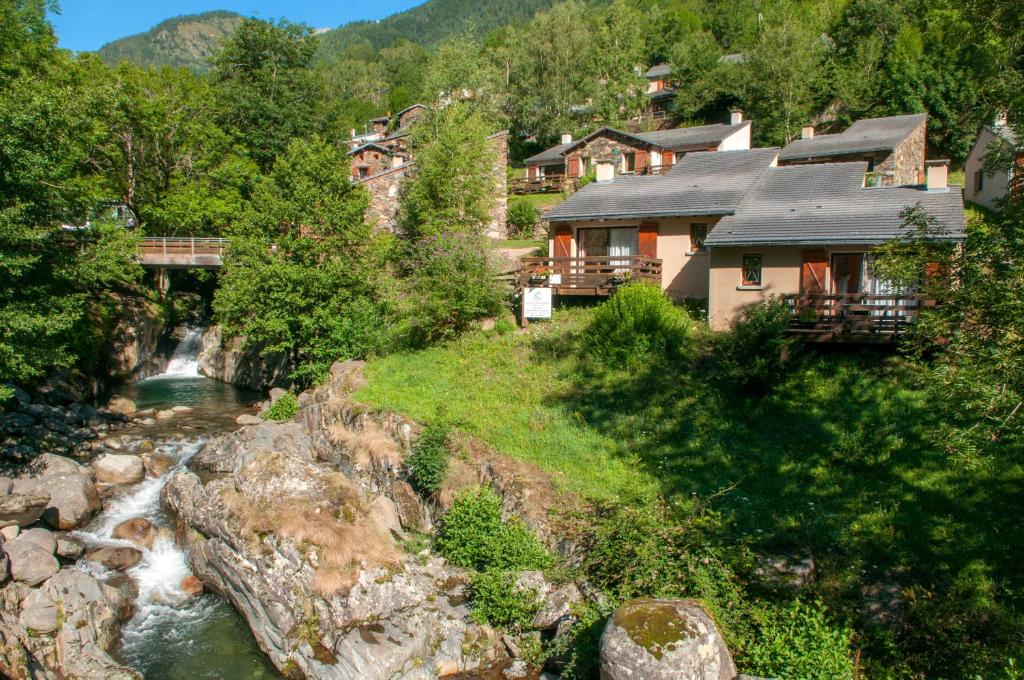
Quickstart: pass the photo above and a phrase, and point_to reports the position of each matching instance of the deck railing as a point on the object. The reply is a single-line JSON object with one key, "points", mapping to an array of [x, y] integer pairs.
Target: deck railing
{"points": [[541, 185], [587, 275], [161, 251], [823, 314]]}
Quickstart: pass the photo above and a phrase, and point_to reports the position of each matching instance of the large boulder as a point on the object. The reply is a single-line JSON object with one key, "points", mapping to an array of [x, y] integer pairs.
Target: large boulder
{"points": [[22, 509], [664, 640], [138, 531], [118, 468], [69, 486], [44, 538], [116, 559], [30, 563], [122, 405]]}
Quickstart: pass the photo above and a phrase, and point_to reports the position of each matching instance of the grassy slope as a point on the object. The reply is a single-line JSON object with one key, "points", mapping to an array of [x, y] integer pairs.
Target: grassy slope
{"points": [[834, 464]]}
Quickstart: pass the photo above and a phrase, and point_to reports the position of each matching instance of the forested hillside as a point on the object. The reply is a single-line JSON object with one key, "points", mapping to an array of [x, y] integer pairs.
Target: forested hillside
{"points": [[187, 41]]}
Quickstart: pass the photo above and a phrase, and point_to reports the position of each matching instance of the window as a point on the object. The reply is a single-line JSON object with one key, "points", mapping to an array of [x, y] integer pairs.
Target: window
{"points": [[364, 172], [871, 164], [610, 242], [979, 180], [698, 233], [752, 269], [629, 160]]}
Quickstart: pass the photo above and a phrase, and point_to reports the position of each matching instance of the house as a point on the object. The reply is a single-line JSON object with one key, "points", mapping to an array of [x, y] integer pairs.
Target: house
{"points": [[407, 117], [733, 227], [989, 189], [659, 91], [893, 147], [636, 153], [375, 157], [389, 130]]}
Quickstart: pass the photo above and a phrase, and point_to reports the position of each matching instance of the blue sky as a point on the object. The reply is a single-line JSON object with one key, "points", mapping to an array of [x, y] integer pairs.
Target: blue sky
{"points": [[89, 24]]}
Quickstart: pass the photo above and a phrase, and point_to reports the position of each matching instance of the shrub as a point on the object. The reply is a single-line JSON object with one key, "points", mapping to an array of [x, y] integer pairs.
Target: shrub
{"points": [[285, 408], [639, 320], [473, 535], [428, 463], [496, 601], [798, 641], [755, 352], [523, 217]]}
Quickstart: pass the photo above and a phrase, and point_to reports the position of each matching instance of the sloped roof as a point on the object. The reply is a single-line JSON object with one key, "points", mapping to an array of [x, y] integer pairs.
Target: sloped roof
{"points": [[827, 204], [552, 155], [691, 136], [871, 134], [371, 145], [407, 109], [658, 71], [703, 183]]}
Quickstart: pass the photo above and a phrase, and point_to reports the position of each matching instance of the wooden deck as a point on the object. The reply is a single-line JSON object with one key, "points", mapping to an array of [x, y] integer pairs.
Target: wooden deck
{"points": [[586, 275], [182, 253], [857, 317], [542, 185]]}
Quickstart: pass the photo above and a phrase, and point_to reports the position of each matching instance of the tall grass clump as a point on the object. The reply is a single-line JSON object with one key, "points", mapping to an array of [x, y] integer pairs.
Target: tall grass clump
{"points": [[639, 320]]}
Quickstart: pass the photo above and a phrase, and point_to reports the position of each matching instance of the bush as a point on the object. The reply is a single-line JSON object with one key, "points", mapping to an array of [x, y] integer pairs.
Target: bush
{"points": [[285, 408], [798, 641], [473, 535], [636, 321], [428, 463], [755, 352], [523, 217], [496, 601]]}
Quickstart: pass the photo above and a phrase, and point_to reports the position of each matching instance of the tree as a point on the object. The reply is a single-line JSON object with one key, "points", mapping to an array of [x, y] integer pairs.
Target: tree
{"points": [[461, 72], [302, 273]]}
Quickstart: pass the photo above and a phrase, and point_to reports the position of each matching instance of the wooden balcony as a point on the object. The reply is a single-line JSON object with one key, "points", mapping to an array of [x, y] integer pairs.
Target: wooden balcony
{"points": [[182, 253], [542, 185], [856, 317], [587, 275]]}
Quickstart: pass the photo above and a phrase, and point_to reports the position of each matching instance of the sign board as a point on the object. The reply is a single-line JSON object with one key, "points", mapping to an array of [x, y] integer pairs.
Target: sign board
{"points": [[537, 303], [555, 279]]}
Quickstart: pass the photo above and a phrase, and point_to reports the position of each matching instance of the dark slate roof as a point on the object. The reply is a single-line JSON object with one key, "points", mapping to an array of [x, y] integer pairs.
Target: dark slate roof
{"points": [[408, 109], [826, 204], [871, 134], [658, 71], [703, 183], [691, 136], [369, 145], [549, 156]]}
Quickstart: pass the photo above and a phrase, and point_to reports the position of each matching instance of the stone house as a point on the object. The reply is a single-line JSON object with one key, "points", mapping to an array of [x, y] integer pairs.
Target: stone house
{"points": [[373, 158], [893, 147], [989, 189], [407, 117], [637, 153]]}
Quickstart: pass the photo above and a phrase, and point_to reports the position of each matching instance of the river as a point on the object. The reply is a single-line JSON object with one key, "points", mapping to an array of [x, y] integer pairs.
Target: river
{"points": [[172, 635]]}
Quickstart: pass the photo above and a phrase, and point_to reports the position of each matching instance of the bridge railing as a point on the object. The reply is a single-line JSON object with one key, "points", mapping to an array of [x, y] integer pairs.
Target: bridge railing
{"points": [[171, 251]]}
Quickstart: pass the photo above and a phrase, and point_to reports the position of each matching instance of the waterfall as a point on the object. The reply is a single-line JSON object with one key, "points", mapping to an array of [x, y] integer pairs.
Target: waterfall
{"points": [[185, 360]]}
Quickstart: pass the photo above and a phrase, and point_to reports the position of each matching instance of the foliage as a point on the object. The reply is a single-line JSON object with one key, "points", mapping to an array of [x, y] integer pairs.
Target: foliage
{"points": [[523, 217], [638, 321], [756, 351], [474, 535], [284, 408], [798, 641], [428, 464], [497, 601], [187, 41]]}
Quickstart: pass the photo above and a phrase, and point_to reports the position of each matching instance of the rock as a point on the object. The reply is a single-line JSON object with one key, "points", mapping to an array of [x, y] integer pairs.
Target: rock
{"points": [[157, 464], [116, 559], [6, 486], [138, 531], [125, 586], [276, 393], [664, 640], [22, 509], [39, 614], [30, 563], [787, 572], [146, 422], [9, 533], [69, 548], [181, 409], [487, 324], [145, 446], [118, 468], [72, 493], [192, 586], [410, 511], [518, 669], [122, 405], [115, 442], [44, 538], [248, 419], [166, 414]]}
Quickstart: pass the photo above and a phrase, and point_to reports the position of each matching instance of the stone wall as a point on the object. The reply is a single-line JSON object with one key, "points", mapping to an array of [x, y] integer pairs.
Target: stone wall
{"points": [[498, 228], [384, 191], [602, 148], [907, 159], [410, 117], [229, 360]]}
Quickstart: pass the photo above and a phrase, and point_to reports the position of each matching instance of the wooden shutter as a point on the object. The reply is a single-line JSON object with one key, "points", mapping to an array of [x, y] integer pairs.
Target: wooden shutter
{"points": [[668, 157], [647, 241], [640, 161], [563, 241], [532, 172], [574, 166], [812, 273]]}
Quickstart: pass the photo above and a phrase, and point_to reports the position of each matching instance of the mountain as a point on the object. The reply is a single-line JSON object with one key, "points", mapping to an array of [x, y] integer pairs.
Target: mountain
{"points": [[182, 41], [431, 23]]}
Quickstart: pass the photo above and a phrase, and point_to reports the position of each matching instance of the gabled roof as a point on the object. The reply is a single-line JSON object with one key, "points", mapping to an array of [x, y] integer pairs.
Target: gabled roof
{"points": [[827, 204], [552, 155], [871, 134], [703, 183], [702, 135], [380, 119], [371, 145], [658, 71], [407, 109]]}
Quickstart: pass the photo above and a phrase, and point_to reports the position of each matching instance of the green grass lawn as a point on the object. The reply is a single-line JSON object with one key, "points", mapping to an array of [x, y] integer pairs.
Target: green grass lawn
{"points": [[516, 243], [836, 463], [540, 201]]}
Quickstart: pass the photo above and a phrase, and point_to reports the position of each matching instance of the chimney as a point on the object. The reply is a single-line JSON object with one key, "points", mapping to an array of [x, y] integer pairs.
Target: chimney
{"points": [[938, 175], [605, 171], [807, 132], [566, 138], [397, 161], [735, 117], [351, 132]]}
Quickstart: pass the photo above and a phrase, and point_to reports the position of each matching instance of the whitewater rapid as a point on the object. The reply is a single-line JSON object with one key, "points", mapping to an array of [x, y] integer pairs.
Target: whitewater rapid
{"points": [[185, 360]]}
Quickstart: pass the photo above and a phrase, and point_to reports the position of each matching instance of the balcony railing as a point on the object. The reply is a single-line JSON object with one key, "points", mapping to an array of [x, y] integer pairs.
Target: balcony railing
{"points": [[826, 316], [541, 185], [587, 275]]}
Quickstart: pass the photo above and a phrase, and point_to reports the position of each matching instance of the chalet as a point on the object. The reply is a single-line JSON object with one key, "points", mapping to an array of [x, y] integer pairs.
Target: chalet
{"points": [[375, 157], [733, 227], [658, 90], [636, 153], [989, 189], [893, 148]]}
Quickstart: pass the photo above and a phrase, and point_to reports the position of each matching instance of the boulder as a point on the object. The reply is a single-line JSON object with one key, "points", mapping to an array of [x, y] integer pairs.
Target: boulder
{"points": [[248, 419], [115, 559], [9, 533], [30, 563], [166, 414], [22, 509], [157, 464], [122, 405], [664, 640], [44, 538], [118, 468], [72, 493], [145, 446], [276, 393], [192, 586], [69, 548], [138, 531], [39, 614], [181, 409]]}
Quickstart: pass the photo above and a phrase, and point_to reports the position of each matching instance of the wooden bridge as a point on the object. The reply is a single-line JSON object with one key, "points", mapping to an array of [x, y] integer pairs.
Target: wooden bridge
{"points": [[160, 252]]}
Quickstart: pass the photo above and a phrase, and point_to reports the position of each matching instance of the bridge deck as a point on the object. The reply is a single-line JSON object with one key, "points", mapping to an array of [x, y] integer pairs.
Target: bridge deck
{"points": [[182, 253]]}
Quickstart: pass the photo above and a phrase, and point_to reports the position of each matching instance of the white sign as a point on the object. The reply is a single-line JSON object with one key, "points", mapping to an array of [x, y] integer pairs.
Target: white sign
{"points": [[537, 303], [555, 279]]}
